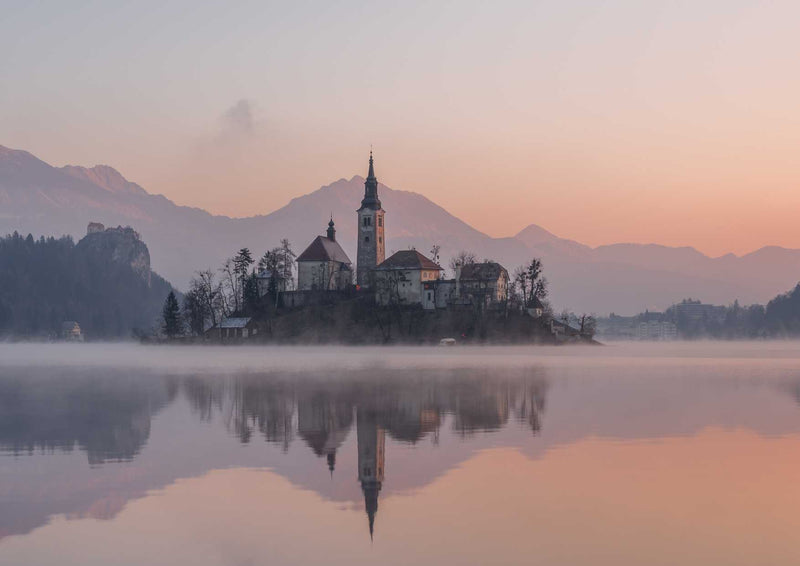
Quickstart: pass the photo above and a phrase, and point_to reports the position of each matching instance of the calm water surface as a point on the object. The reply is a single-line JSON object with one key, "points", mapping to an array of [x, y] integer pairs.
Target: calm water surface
{"points": [[628, 454]]}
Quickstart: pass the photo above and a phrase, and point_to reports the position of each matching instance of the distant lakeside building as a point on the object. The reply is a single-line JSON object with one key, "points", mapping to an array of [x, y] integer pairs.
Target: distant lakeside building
{"points": [[687, 319]]}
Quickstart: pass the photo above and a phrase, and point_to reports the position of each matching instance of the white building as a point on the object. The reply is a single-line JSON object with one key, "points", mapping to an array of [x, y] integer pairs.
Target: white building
{"points": [[402, 278], [441, 291], [324, 266]]}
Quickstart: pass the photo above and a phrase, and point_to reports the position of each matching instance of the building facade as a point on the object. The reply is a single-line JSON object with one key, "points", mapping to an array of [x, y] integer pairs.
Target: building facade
{"points": [[371, 240], [482, 283], [324, 266], [439, 293], [401, 280], [234, 328], [264, 281]]}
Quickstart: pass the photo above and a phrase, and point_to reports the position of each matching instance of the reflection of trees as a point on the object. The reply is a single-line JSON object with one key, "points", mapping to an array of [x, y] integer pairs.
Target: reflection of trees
{"points": [[409, 405], [530, 404], [107, 416]]}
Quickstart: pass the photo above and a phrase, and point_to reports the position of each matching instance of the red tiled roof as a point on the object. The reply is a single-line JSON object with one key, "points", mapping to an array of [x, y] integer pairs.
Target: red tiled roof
{"points": [[485, 271], [324, 249], [408, 259]]}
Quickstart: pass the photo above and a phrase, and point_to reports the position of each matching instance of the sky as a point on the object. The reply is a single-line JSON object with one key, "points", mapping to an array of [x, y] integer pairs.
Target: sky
{"points": [[674, 122]]}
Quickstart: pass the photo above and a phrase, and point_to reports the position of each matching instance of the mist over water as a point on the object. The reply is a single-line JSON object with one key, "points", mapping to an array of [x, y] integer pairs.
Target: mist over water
{"points": [[625, 454], [231, 359]]}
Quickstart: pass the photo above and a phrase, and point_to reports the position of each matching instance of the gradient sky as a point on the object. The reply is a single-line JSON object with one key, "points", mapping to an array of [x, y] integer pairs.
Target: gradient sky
{"points": [[673, 122]]}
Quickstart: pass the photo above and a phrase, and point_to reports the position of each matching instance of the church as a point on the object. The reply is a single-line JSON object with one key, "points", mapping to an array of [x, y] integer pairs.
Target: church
{"points": [[324, 265], [407, 276]]}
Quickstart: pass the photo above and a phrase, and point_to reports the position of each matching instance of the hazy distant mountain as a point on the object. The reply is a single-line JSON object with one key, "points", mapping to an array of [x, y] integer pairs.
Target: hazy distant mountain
{"points": [[105, 177], [625, 278]]}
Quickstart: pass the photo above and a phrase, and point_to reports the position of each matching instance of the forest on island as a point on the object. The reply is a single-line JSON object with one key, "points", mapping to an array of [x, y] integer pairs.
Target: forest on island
{"points": [[47, 281]]}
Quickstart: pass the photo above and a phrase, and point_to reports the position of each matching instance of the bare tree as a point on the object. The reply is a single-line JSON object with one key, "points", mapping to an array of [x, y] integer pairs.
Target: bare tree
{"points": [[287, 263], [435, 249], [538, 284], [461, 259], [522, 283], [230, 287], [530, 282], [588, 325], [208, 294]]}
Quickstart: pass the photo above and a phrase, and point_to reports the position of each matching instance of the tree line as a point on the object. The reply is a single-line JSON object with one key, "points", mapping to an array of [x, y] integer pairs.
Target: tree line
{"points": [[242, 286], [47, 281], [779, 318]]}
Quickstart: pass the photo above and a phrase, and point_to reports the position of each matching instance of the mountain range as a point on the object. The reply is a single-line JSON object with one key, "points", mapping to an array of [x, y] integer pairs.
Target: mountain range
{"points": [[625, 278]]}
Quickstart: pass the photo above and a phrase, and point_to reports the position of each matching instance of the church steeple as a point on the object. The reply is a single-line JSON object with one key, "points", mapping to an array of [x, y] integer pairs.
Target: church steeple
{"points": [[371, 199], [371, 244], [331, 230], [371, 174]]}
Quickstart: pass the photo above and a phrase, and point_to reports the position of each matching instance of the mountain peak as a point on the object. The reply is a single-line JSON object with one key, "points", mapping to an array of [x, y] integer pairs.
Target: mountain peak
{"points": [[534, 233], [18, 156], [105, 177]]}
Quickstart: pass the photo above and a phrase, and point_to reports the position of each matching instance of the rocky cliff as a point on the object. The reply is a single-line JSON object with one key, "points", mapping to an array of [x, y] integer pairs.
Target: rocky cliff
{"points": [[121, 245]]}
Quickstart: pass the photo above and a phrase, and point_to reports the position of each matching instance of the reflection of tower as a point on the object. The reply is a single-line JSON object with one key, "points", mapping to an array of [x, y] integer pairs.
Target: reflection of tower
{"points": [[371, 445], [323, 421]]}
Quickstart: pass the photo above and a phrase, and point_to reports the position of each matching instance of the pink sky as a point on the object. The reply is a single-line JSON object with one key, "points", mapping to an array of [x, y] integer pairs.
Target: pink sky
{"points": [[626, 121]]}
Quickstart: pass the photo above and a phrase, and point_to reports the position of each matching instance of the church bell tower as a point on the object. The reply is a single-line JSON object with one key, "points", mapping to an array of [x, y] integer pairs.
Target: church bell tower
{"points": [[371, 241]]}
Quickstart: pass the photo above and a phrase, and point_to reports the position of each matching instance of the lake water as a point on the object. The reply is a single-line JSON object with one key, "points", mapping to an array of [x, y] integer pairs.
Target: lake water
{"points": [[626, 454]]}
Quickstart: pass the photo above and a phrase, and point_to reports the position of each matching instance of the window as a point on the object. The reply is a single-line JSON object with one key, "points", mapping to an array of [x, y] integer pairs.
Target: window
{"points": [[380, 220], [366, 239], [367, 221], [429, 295], [380, 240]]}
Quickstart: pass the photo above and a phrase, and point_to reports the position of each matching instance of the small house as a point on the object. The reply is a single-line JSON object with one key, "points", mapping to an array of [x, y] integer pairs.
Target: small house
{"points": [[71, 331], [233, 328], [535, 308]]}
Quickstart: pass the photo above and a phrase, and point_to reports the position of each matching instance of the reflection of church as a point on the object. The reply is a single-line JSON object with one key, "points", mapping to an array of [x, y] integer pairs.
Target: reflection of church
{"points": [[323, 422], [402, 407], [371, 459]]}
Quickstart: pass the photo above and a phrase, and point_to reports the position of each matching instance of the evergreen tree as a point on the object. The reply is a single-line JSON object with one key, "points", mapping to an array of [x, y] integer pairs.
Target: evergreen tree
{"points": [[47, 281], [251, 298], [171, 316]]}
